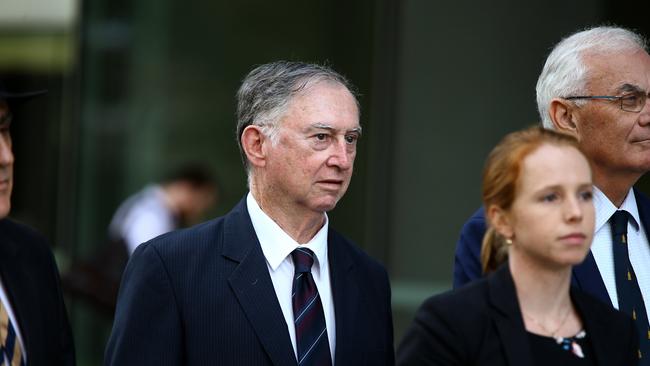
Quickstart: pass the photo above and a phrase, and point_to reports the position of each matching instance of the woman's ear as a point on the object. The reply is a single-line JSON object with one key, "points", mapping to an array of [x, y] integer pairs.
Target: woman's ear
{"points": [[252, 142], [500, 221], [563, 115]]}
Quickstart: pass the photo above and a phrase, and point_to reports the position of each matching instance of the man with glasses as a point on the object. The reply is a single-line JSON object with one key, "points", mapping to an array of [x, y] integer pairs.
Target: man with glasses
{"points": [[595, 85]]}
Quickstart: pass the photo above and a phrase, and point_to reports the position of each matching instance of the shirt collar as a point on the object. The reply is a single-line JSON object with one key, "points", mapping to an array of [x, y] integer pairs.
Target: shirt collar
{"points": [[605, 208], [277, 244]]}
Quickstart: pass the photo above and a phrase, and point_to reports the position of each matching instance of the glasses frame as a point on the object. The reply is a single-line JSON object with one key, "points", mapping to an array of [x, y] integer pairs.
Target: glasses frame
{"points": [[620, 98]]}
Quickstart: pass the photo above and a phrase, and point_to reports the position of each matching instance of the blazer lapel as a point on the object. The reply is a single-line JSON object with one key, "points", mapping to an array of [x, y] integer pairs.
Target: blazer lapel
{"points": [[345, 285], [586, 277], [507, 317], [12, 279], [598, 333], [252, 285]]}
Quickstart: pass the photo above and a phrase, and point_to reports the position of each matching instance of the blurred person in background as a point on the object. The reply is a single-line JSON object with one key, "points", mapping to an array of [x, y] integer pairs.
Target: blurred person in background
{"points": [[34, 328], [537, 194], [270, 283], [594, 86], [178, 201]]}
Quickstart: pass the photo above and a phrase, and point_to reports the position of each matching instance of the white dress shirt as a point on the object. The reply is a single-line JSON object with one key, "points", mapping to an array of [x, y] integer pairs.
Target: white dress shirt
{"points": [[638, 246], [277, 246], [5, 302]]}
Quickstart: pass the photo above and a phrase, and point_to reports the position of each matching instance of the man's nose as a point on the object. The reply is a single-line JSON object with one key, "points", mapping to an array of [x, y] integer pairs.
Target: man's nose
{"points": [[644, 118], [342, 155], [6, 155]]}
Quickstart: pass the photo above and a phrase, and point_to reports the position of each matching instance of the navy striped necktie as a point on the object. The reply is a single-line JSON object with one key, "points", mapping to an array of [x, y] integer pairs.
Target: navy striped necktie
{"points": [[630, 300], [309, 319]]}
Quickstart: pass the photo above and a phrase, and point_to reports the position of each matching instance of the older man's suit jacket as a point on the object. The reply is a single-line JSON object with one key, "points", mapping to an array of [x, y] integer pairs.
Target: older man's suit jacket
{"points": [[481, 324], [31, 281], [204, 296], [586, 276]]}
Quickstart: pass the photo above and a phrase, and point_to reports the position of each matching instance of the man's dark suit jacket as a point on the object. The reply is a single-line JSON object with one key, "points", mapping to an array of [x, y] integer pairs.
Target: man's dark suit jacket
{"points": [[31, 281], [586, 276], [481, 324], [204, 296]]}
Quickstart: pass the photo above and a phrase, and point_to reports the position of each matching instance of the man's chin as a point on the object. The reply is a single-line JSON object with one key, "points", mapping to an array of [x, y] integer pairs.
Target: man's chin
{"points": [[326, 205], [641, 167]]}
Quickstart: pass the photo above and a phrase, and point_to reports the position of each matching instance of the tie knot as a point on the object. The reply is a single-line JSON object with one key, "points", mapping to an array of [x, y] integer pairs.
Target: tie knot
{"points": [[303, 259], [618, 221]]}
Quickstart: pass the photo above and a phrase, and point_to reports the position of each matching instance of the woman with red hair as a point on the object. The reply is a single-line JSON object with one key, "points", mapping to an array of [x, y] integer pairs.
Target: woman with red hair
{"points": [[537, 191]]}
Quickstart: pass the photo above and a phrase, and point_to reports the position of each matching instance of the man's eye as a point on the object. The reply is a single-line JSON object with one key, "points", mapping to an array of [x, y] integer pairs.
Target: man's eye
{"points": [[321, 137], [630, 100], [351, 139]]}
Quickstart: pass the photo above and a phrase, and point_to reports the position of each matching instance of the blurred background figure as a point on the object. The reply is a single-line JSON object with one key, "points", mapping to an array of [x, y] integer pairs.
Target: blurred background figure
{"points": [[180, 200]]}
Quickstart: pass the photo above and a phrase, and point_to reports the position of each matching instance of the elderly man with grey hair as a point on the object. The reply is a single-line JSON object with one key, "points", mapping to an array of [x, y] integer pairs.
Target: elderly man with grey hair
{"points": [[595, 86], [270, 283]]}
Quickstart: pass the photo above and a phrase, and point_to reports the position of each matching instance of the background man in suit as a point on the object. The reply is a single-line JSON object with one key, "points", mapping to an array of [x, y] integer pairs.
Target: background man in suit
{"points": [[34, 327], [270, 283], [594, 86]]}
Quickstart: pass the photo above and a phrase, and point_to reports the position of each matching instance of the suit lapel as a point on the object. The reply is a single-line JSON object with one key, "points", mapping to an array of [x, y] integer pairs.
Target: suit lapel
{"points": [[345, 291], [586, 277], [252, 285], [598, 333], [13, 280], [507, 317]]}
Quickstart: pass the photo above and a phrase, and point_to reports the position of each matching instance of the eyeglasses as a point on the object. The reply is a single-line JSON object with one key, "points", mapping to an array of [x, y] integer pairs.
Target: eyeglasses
{"points": [[630, 102]]}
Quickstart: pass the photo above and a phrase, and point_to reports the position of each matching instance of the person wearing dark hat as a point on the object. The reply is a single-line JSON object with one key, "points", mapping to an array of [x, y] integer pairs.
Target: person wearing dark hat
{"points": [[34, 328]]}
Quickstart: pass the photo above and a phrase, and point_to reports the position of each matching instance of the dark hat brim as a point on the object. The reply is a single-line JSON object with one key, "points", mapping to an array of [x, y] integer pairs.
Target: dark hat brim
{"points": [[16, 97]]}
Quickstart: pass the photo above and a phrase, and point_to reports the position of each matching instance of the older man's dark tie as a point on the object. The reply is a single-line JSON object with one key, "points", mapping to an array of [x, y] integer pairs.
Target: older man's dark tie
{"points": [[309, 319], [630, 300]]}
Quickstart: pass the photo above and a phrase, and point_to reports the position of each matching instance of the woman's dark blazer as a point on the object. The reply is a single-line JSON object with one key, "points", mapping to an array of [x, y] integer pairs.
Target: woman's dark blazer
{"points": [[481, 324]]}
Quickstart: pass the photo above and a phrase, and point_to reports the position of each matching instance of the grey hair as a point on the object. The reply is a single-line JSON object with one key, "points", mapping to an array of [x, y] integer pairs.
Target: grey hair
{"points": [[565, 72], [266, 91]]}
